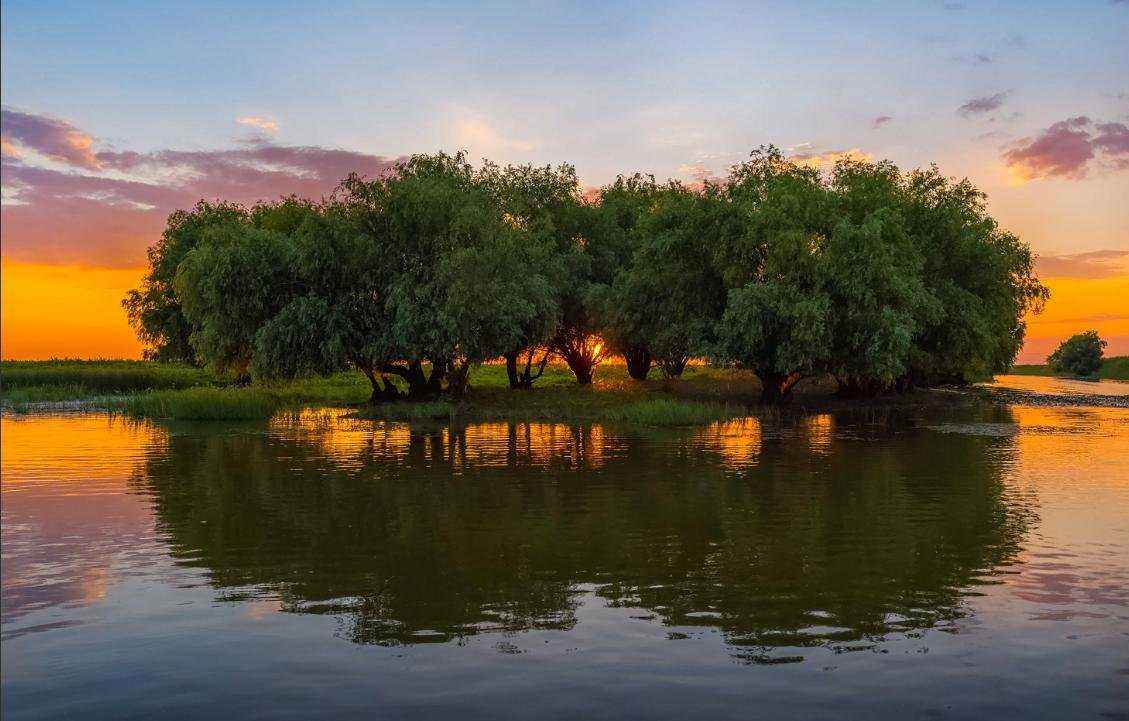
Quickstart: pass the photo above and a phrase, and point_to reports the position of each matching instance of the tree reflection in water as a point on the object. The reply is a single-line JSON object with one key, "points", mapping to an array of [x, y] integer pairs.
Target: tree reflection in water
{"points": [[825, 530]]}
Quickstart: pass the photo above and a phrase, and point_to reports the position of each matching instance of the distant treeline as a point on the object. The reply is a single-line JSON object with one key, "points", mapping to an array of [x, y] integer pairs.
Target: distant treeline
{"points": [[883, 279]]}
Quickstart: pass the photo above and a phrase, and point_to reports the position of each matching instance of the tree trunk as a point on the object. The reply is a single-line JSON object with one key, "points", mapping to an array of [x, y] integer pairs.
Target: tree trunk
{"points": [[638, 362], [776, 388], [382, 388], [581, 366], [673, 367], [457, 377], [511, 369]]}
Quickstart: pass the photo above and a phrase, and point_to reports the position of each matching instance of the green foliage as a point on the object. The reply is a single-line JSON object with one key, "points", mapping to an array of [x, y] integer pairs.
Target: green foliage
{"points": [[1079, 355], [101, 377], [153, 309], [671, 412], [228, 287], [666, 300], [201, 404], [777, 321], [983, 280], [880, 278], [1115, 369]]}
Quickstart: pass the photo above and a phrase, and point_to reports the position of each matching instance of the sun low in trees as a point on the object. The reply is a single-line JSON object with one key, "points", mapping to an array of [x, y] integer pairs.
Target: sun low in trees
{"points": [[1080, 355]]}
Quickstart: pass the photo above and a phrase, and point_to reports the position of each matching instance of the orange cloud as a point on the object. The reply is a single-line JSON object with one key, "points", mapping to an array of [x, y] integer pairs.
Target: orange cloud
{"points": [[256, 121], [1094, 264], [825, 160]]}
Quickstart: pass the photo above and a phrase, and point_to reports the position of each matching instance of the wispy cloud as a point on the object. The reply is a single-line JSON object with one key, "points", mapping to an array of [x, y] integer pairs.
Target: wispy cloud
{"points": [[51, 137], [828, 158], [881, 120], [268, 125], [104, 208], [1092, 265], [1069, 149], [475, 132], [982, 105]]}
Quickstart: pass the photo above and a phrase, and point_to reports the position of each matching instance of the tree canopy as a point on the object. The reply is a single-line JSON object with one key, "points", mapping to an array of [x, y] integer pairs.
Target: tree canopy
{"points": [[880, 278], [1079, 355]]}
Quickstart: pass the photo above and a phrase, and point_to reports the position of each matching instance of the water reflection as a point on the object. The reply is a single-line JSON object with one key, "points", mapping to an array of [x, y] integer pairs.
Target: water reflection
{"points": [[65, 512], [780, 535]]}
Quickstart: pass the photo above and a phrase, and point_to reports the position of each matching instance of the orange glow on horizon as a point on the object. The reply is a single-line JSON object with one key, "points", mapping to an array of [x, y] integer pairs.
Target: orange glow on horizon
{"points": [[52, 311], [1078, 305], [65, 311]]}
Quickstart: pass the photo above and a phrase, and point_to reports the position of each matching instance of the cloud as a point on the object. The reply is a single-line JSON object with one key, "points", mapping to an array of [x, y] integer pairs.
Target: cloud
{"points": [[48, 136], [881, 120], [1092, 265], [982, 105], [475, 132], [827, 159], [265, 124], [1068, 149], [107, 207]]}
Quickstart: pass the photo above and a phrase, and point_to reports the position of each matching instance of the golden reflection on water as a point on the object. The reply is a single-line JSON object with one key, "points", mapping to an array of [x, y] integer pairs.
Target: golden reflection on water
{"points": [[89, 454], [820, 432], [67, 503], [737, 442], [351, 443]]}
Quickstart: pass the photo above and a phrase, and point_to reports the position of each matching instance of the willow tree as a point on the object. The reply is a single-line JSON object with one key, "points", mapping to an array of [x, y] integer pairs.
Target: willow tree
{"points": [[543, 202], [982, 276], [336, 316], [873, 270], [467, 283], [663, 304], [1079, 355], [228, 287], [777, 320], [153, 309]]}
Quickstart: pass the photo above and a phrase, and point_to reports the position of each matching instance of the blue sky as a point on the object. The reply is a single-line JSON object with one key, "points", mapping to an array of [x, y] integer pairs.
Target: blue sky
{"points": [[608, 86], [670, 88], [115, 114]]}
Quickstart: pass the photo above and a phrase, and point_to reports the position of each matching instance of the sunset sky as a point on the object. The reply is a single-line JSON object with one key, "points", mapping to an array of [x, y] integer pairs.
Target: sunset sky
{"points": [[115, 114]]}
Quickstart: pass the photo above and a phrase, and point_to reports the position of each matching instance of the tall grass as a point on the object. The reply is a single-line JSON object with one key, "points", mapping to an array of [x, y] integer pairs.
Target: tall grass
{"points": [[102, 377], [198, 404], [670, 412], [1115, 368]]}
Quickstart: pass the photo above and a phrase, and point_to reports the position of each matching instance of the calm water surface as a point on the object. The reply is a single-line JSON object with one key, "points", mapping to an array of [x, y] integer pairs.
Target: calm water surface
{"points": [[969, 562]]}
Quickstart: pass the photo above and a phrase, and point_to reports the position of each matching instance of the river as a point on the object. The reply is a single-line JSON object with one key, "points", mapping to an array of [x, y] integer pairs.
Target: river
{"points": [[961, 560]]}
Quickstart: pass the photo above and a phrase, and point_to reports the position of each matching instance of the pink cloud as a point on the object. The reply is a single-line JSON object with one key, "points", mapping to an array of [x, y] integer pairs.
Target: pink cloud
{"points": [[1068, 148], [48, 136], [1092, 265], [881, 120], [100, 219]]}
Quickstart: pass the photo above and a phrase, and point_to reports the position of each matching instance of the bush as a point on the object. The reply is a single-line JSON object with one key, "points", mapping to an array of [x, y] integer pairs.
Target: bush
{"points": [[1079, 355]]}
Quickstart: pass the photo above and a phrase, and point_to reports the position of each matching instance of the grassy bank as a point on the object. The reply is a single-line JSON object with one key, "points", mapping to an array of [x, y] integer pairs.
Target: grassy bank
{"points": [[1114, 369], [153, 390]]}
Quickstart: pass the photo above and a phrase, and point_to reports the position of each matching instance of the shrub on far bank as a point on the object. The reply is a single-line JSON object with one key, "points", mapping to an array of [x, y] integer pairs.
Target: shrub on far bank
{"points": [[1080, 355]]}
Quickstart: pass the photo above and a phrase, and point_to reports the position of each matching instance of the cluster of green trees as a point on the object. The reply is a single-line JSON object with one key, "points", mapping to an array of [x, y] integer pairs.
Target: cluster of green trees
{"points": [[1079, 355], [882, 278]]}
